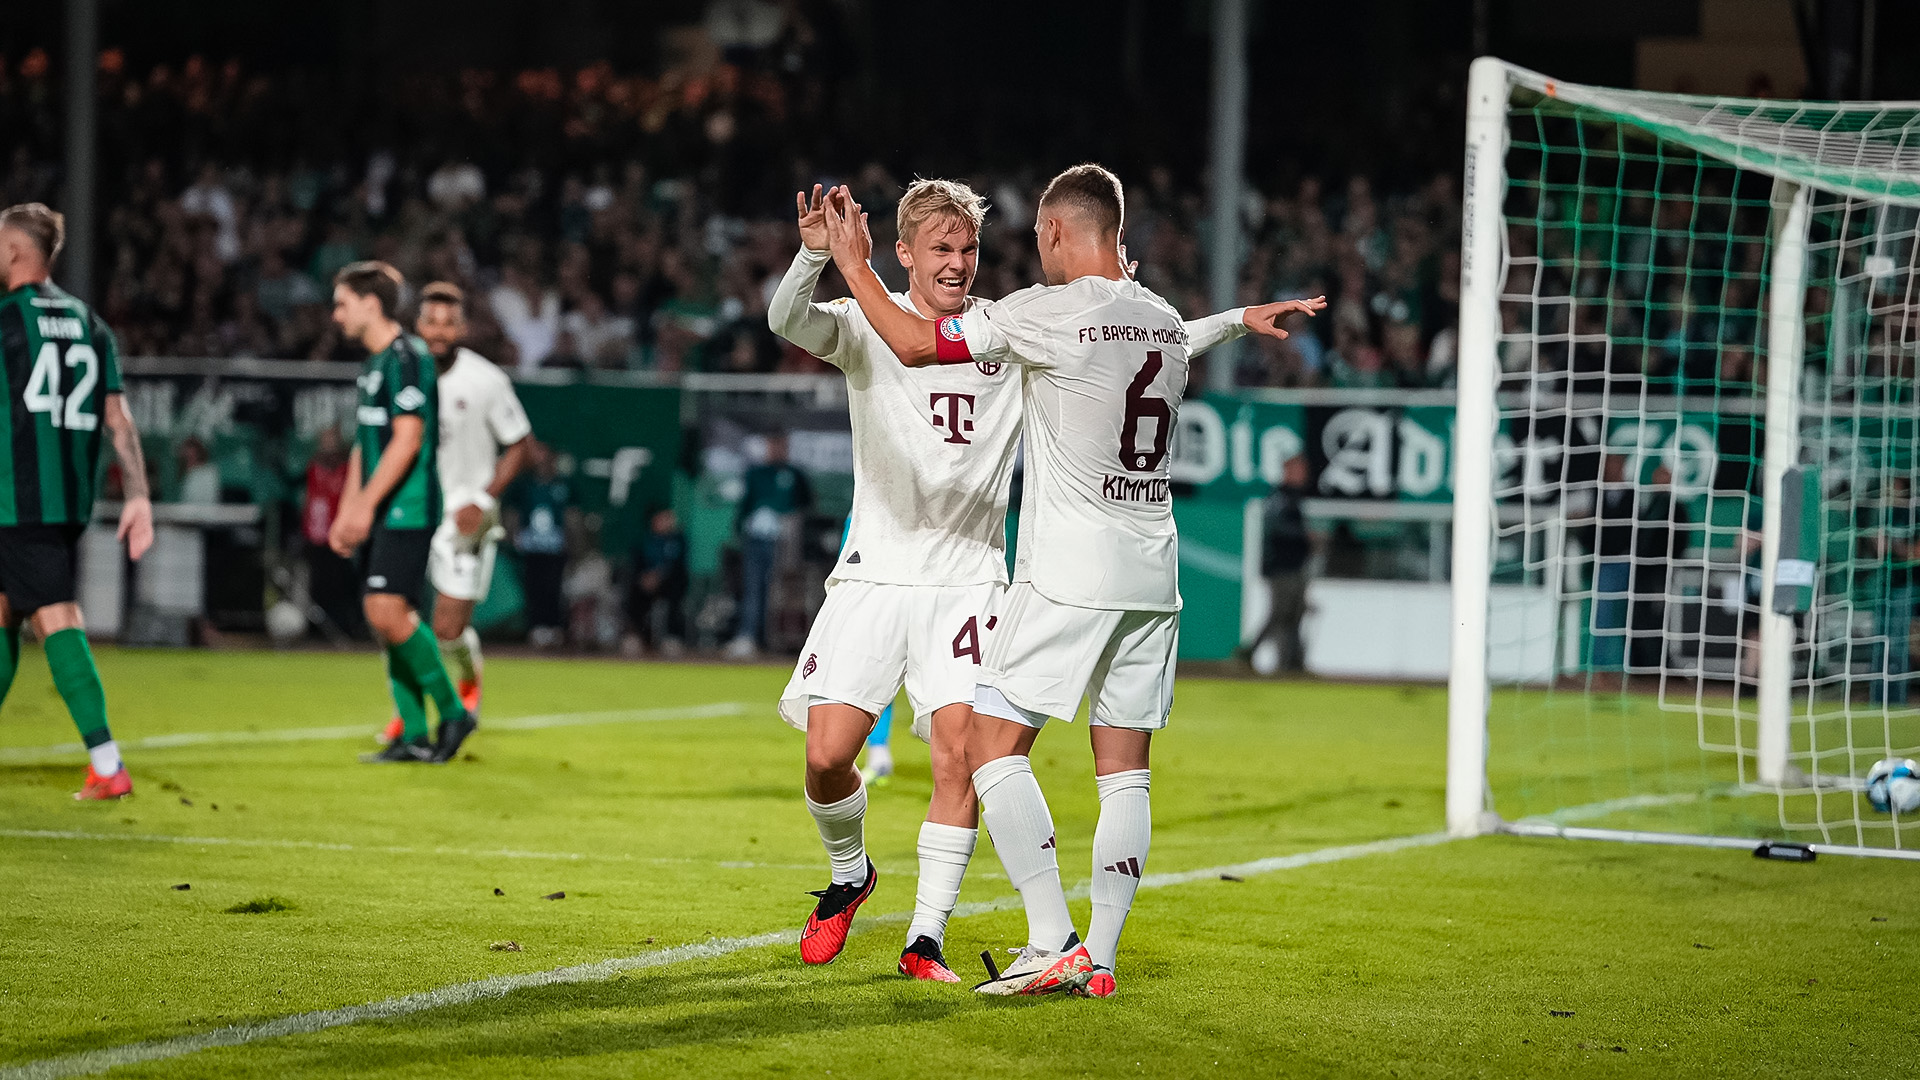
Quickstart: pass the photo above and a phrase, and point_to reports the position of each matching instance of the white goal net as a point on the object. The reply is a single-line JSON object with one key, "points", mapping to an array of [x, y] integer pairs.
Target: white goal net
{"points": [[1685, 537]]}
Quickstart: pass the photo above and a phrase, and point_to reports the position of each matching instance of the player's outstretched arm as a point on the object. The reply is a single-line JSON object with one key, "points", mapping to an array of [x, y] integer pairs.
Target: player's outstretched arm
{"points": [[1225, 326], [912, 338], [791, 313], [136, 512]]}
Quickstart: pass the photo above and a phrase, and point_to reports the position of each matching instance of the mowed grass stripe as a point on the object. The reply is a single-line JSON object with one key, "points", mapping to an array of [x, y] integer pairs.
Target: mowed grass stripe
{"points": [[391, 849], [713, 711], [93, 1062]]}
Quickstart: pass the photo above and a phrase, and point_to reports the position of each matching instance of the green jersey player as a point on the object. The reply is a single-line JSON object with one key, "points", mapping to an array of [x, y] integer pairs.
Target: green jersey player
{"points": [[392, 505], [61, 368]]}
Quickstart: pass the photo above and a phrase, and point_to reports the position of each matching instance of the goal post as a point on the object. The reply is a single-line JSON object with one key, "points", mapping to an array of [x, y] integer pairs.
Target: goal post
{"points": [[1481, 270], [1684, 466]]}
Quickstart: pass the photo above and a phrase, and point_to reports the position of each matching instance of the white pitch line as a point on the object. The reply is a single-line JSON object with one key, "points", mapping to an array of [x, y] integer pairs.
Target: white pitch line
{"points": [[386, 849], [92, 1062], [714, 710]]}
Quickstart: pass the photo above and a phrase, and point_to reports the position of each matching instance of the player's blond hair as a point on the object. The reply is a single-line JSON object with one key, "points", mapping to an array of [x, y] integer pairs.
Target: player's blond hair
{"points": [[949, 200]]}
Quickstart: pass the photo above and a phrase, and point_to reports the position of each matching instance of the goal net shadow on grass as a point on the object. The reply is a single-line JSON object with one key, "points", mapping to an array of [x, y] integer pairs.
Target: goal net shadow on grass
{"points": [[1664, 650]]}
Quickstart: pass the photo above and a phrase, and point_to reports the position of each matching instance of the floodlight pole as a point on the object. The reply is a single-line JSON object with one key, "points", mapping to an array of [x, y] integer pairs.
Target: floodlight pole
{"points": [[1482, 271], [1786, 300], [83, 32], [1228, 163]]}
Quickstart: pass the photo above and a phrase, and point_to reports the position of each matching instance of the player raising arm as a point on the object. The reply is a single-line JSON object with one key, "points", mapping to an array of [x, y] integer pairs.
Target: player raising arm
{"points": [[62, 373], [1093, 608], [924, 557]]}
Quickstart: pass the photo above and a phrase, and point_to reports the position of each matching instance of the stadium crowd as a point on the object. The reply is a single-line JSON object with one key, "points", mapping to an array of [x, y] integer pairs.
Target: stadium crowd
{"points": [[629, 221]]}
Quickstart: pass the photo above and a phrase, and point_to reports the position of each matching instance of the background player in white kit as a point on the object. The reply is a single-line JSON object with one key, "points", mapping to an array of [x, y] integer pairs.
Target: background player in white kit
{"points": [[1093, 610], [924, 557], [483, 432]]}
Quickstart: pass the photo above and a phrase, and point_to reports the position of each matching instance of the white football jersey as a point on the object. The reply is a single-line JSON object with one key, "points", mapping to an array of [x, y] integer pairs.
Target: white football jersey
{"points": [[933, 452], [479, 414], [1104, 364]]}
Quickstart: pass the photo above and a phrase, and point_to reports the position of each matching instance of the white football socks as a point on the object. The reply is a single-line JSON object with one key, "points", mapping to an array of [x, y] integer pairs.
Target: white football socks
{"points": [[1120, 843], [105, 758], [1015, 813], [879, 758], [463, 656], [944, 851], [843, 833]]}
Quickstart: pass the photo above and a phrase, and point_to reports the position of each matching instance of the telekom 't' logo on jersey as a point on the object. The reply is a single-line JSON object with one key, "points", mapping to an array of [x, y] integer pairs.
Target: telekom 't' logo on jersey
{"points": [[956, 416]]}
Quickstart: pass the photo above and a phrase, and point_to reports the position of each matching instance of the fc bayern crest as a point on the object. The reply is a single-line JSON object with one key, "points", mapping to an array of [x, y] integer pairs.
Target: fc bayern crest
{"points": [[987, 368], [950, 329]]}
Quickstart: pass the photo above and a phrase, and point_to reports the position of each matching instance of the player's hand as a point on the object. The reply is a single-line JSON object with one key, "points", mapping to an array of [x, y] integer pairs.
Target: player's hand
{"points": [[813, 218], [847, 235], [350, 527], [1266, 318], [468, 519], [136, 526], [1132, 267]]}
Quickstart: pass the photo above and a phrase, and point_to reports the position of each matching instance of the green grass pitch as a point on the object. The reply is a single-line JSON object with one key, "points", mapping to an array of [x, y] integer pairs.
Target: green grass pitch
{"points": [[319, 883]]}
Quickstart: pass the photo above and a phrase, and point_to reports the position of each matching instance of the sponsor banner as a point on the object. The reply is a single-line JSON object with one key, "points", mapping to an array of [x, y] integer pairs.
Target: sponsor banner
{"points": [[618, 444]]}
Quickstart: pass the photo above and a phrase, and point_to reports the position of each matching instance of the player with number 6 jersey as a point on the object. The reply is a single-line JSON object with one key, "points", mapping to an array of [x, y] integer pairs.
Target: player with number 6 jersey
{"points": [[1093, 610], [61, 369]]}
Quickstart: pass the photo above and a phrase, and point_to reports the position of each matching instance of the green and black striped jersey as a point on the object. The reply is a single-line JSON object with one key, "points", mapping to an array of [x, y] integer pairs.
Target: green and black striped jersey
{"points": [[399, 380], [60, 362]]}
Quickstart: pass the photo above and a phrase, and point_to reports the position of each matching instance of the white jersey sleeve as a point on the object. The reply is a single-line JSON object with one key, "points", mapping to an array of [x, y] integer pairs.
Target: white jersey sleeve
{"points": [[821, 329], [506, 418], [1205, 333], [1106, 367]]}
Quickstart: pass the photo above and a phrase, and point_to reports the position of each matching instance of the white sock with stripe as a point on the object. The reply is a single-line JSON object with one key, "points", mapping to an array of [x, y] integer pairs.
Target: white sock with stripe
{"points": [[1015, 813], [1120, 843], [944, 853]]}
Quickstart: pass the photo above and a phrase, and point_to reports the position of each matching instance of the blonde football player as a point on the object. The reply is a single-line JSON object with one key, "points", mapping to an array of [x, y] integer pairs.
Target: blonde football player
{"points": [[1094, 607], [925, 555]]}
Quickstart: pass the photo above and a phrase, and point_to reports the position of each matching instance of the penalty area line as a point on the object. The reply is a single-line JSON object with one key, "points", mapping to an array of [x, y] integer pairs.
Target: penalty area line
{"points": [[712, 711], [92, 1062]]}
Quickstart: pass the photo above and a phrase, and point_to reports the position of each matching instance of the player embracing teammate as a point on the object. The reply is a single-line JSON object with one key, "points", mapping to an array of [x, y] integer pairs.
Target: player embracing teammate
{"points": [[924, 557], [1093, 609]]}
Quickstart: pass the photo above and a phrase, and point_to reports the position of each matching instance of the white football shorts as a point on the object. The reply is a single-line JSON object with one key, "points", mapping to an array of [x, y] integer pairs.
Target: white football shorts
{"points": [[461, 567], [1045, 656], [869, 638]]}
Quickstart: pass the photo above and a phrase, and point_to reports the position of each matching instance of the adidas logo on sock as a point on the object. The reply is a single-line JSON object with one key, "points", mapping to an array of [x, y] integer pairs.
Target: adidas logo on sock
{"points": [[853, 558], [1048, 844], [1129, 867]]}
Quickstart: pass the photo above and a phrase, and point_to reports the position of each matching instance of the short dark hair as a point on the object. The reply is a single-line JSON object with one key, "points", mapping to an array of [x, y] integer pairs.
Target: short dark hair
{"points": [[46, 226], [1093, 191], [445, 292], [371, 277]]}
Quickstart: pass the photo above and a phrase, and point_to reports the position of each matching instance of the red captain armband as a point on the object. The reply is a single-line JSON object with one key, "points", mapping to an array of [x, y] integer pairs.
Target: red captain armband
{"points": [[950, 341]]}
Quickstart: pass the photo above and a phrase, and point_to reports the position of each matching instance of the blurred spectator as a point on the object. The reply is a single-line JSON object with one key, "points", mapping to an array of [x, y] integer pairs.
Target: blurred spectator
{"points": [[528, 314], [777, 493], [660, 581], [1890, 543], [643, 215], [331, 581], [1285, 547], [541, 501], [199, 476], [1635, 538]]}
